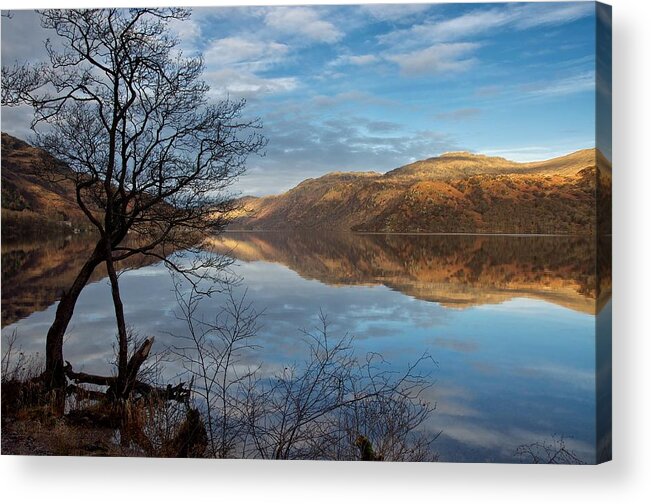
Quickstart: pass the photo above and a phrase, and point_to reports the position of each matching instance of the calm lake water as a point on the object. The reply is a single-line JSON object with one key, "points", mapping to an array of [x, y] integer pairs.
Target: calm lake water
{"points": [[509, 320]]}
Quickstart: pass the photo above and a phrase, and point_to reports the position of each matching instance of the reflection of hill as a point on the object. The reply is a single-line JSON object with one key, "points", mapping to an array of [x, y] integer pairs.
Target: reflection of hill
{"points": [[604, 270], [454, 270], [34, 274]]}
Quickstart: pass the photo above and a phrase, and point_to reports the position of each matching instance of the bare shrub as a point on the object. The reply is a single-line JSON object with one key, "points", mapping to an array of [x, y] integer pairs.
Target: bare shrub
{"points": [[20, 388], [319, 409], [212, 354], [548, 452], [316, 409], [16, 365]]}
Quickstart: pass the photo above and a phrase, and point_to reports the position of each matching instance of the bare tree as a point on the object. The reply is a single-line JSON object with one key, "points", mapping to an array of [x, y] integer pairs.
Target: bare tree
{"points": [[213, 352], [548, 452], [129, 117], [334, 402], [317, 409]]}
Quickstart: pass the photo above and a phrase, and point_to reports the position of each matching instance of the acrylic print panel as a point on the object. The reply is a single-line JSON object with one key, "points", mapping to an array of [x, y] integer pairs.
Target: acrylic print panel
{"points": [[369, 232]]}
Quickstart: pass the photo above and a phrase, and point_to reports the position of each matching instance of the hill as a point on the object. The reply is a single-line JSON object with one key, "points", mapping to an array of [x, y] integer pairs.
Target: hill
{"points": [[33, 203], [455, 192], [451, 193]]}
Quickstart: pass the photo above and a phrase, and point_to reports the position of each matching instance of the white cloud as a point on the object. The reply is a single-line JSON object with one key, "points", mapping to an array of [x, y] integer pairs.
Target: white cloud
{"points": [[23, 38], [482, 21], [537, 153], [188, 31], [255, 54], [393, 12], [353, 95], [363, 59], [355, 59], [303, 143], [459, 114], [552, 13], [242, 84], [302, 21], [442, 45], [562, 87], [436, 59], [16, 121], [473, 23]]}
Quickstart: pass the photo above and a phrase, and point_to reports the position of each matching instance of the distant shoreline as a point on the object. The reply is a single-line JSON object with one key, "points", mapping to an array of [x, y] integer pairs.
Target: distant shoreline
{"points": [[574, 235]]}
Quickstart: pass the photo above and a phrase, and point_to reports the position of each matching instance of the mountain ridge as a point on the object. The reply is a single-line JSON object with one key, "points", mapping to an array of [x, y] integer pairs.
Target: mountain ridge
{"points": [[453, 192], [456, 192]]}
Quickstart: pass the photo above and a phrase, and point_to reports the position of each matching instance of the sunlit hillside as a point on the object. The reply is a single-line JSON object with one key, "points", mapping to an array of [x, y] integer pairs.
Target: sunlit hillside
{"points": [[455, 192]]}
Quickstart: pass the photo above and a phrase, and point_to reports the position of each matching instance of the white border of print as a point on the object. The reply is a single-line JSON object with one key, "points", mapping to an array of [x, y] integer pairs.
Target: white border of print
{"points": [[626, 479]]}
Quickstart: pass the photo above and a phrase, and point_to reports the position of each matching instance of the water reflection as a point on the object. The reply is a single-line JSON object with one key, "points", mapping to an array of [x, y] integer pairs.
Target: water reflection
{"points": [[453, 270], [35, 273], [510, 320]]}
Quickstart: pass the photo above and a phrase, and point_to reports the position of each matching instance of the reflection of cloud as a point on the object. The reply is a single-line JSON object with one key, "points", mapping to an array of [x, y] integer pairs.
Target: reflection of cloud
{"points": [[456, 345], [580, 378], [505, 442], [450, 401], [475, 435], [500, 443]]}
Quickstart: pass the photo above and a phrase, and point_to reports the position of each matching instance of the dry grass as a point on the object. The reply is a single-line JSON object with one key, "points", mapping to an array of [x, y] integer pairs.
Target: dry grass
{"points": [[38, 422]]}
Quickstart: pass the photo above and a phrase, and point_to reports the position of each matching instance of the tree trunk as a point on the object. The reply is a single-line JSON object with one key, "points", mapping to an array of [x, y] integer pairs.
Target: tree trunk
{"points": [[122, 327], [54, 364]]}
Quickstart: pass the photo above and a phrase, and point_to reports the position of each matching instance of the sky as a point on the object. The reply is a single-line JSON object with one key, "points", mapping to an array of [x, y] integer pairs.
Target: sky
{"points": [[374, 87]]}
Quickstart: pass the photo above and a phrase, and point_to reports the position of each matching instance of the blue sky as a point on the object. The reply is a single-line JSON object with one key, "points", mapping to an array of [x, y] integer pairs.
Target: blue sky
{"points": [[374, 87]]}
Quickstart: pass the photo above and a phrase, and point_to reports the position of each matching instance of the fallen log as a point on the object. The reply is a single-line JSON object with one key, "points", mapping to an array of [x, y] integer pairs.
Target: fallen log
{"points": [[84, 394], [119, 387], [178, 393], [80, 377]]}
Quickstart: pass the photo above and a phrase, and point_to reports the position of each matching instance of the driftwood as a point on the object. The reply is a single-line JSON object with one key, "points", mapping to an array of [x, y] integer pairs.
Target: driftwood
{"points": [[126, 384], [83, 394], [78, 377], [123, 387], [176, 393], [126, 401]]}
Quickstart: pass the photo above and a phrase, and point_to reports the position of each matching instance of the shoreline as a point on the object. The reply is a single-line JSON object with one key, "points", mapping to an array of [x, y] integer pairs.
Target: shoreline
{"points": [[412, 233]]}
